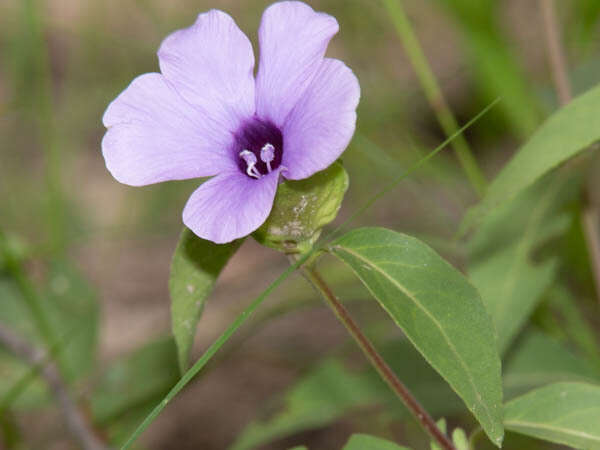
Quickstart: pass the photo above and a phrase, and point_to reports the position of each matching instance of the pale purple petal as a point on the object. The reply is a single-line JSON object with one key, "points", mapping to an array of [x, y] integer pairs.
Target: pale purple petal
{"points": [[211, 64], [293, 39], [322, 123], [154, 135], [230, 206]]}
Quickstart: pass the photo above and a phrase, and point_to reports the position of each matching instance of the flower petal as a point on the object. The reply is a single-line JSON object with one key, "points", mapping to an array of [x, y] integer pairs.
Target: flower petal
{"points": [[154, 135], [230, 206], [293, 39], [211, 64], [322, 123]]}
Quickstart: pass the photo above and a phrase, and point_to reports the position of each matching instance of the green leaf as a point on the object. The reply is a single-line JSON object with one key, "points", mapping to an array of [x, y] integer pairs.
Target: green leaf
{"points": [[583, 30], [70, 305], [574, 324], [195, 268], [438, 310], [72, 310], [509, 284], [565, 413], [565, 134], [441, 424], [459, 437], [366, 442], [240, 319], [496, 70], [302, 208], [538, 359], [501, 266], [244, 315]]}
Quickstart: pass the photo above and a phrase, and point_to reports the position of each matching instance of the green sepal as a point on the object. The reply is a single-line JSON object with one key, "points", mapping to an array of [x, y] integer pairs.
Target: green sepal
{"points": [[302, 208]]}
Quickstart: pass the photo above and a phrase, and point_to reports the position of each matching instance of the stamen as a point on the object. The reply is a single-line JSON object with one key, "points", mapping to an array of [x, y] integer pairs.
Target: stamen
{"points": [[267, 154], [250, 159]]}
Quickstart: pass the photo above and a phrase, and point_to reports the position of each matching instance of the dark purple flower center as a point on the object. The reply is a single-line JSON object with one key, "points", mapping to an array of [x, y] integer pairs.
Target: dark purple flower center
{"points": [[258, 148]]}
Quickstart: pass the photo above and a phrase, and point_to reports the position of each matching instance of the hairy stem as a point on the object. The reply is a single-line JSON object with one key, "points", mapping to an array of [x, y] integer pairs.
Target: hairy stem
{"points": [[560, 77], [75, 419], [434, 94], [376, 360]]}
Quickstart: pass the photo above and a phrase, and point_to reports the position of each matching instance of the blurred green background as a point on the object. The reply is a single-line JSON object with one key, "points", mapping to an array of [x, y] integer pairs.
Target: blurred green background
{"points": [[97, 253]]}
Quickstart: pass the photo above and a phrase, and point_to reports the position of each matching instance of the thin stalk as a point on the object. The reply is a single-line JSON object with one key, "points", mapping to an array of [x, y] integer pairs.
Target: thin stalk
{"points": [[76, 421], [556, 53], [21, 385], [377, 361], [43, 114], [29, 293], [589, 221], [560, 77], [434, 94], [211, 351]]}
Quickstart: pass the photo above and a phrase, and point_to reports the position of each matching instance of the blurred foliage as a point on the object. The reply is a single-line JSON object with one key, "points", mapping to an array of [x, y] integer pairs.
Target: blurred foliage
{"points": [[121, 400], [62, 61]]}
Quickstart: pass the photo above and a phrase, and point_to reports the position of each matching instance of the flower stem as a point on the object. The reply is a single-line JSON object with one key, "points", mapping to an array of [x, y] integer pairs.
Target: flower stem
{"points": [[376, 360], [434, 94], [560, 76]]}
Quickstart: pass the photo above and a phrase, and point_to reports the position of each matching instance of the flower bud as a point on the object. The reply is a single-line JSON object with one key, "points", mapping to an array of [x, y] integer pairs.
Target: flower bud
{"points": [[302, 208]]}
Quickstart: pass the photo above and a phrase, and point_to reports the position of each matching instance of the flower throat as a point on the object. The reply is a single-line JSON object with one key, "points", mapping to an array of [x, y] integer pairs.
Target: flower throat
{"points": [[258, 148]]}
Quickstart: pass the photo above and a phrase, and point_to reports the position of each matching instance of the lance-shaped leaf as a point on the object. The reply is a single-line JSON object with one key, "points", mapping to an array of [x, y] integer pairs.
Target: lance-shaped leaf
{"points": [[194, 270], [565, 413], [538, 359], [438, 310], [501, 266], [366, 442], [495, 68], [565, 134]]}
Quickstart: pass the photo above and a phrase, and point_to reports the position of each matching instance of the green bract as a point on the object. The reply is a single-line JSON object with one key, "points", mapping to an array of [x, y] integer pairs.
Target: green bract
{"points": [[196, 265], [302, 208]]}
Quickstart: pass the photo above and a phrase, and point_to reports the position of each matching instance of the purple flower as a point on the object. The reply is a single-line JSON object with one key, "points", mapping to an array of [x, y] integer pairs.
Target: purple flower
{"points": [[205, 115]]}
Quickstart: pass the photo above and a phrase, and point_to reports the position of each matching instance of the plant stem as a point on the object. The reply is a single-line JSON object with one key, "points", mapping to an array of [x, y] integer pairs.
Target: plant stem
{"points": [[555, 52], [560, 77], [590, 230], [376, 360], [15, 268], [434, 94], [74, 417], [42, 106]]}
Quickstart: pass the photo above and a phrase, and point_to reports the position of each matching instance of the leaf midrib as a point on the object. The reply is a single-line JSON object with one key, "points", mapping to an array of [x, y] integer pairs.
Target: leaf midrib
{"points": [[525, 424], [433, 319]]}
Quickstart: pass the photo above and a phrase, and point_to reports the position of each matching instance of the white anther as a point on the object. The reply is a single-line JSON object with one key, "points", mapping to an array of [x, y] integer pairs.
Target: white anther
{"points": [[267, 154], [250, 159]]}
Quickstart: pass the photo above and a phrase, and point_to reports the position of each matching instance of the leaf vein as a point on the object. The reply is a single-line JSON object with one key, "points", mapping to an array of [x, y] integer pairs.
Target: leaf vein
{"points": [[525, 424], [433, 319]]}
